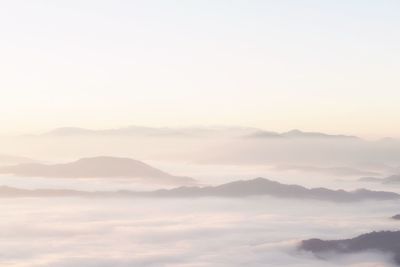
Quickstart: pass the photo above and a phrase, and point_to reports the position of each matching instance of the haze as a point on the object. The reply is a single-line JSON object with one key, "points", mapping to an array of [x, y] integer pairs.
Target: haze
{"points": [[278, 65], [199, 133]]}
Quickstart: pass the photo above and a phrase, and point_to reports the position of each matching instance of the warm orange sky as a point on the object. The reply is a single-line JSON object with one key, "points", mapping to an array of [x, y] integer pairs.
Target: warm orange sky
{"points": [[319, 66]]}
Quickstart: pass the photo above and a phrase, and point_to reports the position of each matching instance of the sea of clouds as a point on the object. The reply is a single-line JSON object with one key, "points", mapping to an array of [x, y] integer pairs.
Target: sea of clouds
{"points": [[205, 232]]}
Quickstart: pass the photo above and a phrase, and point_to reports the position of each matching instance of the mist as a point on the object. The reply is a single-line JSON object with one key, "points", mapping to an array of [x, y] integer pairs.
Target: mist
{"points": [[199, 133], [201, 232]]}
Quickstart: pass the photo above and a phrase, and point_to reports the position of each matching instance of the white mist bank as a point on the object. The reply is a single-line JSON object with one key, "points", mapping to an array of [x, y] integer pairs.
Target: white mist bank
{"points": [[204, 232]]}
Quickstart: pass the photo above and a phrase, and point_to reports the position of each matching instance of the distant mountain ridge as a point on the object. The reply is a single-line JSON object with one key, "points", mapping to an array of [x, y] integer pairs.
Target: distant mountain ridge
{"points": [[96, 167], [392, 179], [237, 189], [300, 134], [247, 132], [262, 186]]}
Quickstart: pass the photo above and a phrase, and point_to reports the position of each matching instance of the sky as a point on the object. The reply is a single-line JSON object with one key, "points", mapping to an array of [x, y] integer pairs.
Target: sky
{"points": [[328, 66]]}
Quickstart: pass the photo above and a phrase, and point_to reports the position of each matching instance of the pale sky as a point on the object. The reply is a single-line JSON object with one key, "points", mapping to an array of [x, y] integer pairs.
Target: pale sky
{"points": [[329, 66]]}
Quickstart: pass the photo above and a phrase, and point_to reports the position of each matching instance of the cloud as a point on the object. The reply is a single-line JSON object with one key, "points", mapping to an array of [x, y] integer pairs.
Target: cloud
{"points": [[190, 233]]}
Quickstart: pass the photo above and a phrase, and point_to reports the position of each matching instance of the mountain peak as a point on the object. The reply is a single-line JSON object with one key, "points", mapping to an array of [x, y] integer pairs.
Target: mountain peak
{"points": [[97, 167]]}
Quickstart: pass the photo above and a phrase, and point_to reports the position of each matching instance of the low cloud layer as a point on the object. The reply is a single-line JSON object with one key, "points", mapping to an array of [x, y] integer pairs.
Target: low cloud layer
{"points": [[203, 232]]}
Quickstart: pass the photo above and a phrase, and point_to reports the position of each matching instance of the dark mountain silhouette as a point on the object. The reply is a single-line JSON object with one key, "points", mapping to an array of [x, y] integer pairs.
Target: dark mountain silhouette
{"points": [[255, 187], [384, 241], [97, 167], [396, 217]]}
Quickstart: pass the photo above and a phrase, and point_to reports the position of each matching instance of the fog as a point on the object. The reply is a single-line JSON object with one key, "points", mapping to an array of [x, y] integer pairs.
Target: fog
{"points": [[198, 133], [194, 232], [310, 152], [203, 232]]}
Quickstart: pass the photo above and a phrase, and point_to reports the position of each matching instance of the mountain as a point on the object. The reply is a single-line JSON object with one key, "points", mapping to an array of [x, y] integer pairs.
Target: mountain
{"points": [[248, 132], [299, 134], [262, 186], [384, 241], [97, 167], [396, 217], [392, 179], [237, 189]]}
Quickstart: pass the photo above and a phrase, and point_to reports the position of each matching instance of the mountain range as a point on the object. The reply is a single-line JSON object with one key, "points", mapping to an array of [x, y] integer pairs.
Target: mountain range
{"points": [[247, 132], [299, 134], [262, 186], [392, 179], [237, 189]]}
